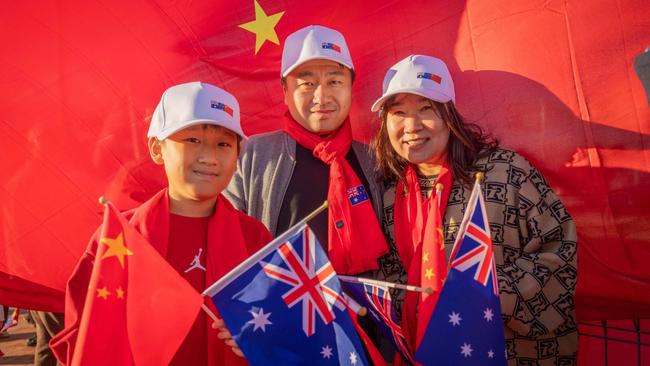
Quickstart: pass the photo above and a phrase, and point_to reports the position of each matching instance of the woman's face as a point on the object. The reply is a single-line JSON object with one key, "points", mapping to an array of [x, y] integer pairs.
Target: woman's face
{"points": [[417, 132]]}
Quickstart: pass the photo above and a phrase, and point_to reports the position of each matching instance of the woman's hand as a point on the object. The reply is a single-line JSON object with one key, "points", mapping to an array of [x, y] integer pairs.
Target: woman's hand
{"points": [[225, 335]]}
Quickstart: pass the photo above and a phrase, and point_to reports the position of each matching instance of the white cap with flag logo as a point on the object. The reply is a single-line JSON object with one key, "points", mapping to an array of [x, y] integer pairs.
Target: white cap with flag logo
{"points": [[421, 75], [194, 103], [312, 43]]}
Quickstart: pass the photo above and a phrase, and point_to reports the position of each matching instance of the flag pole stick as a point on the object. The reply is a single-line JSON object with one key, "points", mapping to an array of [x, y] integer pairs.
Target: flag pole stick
{"points": [[351, 304], [215, 287], [385, 284], [207, 310]]}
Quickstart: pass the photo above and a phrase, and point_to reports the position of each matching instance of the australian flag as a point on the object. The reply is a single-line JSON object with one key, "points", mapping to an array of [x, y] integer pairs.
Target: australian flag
{"points": [[283, 306], [357, 195], [331, 46], [466, 326], [430, 76], [376, 299]]}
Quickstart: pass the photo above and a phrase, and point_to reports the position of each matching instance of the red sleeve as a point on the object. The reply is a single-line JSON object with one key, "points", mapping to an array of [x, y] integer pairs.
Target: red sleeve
{"points": [[63, 343]]}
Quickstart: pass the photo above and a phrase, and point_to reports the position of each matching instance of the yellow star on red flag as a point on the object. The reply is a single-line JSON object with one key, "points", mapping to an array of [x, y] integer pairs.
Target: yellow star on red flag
{"points": [[429, 274], [103, 292], [116, 248], [263, 26]]}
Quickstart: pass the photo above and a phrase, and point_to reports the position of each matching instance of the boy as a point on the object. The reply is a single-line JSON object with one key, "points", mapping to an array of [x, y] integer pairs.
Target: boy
{"points": [[194, 134]]}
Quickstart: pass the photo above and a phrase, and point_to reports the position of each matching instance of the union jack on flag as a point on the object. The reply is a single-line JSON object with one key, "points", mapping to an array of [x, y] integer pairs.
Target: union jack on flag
{"points": [[284, 305], [481, 255], [380, 305], [466, 327], [308, 283]]}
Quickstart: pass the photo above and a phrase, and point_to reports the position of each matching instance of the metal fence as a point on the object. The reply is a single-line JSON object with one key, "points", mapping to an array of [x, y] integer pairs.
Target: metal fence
{"points": [[615, 342]]}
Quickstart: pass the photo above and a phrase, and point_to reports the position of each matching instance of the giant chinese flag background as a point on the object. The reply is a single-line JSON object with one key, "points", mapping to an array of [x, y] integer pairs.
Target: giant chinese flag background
{"points": [[552, 79]]}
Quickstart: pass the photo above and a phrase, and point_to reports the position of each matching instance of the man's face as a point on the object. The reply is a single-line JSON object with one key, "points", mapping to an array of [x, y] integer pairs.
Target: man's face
{"points": [[319, 94], [199, 161]]}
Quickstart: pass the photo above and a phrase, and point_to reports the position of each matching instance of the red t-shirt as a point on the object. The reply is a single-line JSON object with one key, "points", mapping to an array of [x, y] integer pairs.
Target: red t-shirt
{"points": [[187, 253]]}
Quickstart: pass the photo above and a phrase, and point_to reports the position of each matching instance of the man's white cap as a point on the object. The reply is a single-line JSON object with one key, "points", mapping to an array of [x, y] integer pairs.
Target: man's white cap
{"points": [[189, 104], [311, 43], [417, 74]]}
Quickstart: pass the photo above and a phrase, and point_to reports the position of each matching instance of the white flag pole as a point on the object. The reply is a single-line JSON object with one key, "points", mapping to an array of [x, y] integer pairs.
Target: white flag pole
{"points": [[243, 266], [385, 284]]}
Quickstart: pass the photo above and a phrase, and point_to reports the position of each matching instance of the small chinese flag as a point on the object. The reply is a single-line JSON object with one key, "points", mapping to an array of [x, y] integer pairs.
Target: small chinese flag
{"points": [[434, 266], [138, 309]]}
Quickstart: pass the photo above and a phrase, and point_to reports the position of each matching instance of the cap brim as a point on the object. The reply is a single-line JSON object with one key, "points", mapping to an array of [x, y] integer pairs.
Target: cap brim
{"points": [[187, 124], [319, 57], [433, 95]]}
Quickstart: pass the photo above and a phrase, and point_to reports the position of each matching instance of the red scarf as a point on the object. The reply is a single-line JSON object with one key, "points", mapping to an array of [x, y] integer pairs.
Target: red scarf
{"points": [[232, 237], [355, 237], [418, 230]]}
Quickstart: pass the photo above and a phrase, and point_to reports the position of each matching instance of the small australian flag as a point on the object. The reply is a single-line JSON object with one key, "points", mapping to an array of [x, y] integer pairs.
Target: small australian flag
{"points": [[357, 195]]}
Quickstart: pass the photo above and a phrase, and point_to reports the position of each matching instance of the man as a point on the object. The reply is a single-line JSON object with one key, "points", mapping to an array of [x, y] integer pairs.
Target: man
{"points": [[284, 175]]}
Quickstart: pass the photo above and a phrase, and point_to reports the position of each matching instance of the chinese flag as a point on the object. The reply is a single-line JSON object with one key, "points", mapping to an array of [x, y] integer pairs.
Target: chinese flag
{"points": [[433, 267], [132, 295]]}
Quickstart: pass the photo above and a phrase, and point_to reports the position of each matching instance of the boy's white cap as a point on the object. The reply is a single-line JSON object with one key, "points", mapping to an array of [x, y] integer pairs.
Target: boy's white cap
{"points": [[417, 74], [189, 104], [311, 43]]}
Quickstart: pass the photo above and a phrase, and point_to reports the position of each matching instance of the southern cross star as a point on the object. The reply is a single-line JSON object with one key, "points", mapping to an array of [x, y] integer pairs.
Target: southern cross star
{"points": [[260, 320], [466, 350], [327, 352], [454, 318], [488, 314]]}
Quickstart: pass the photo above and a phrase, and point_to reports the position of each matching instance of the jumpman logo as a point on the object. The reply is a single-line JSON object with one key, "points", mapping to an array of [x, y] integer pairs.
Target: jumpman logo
{"points": [[196, 262]]}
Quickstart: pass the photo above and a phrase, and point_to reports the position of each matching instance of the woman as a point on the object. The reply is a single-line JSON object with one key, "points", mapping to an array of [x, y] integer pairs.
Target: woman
{"points": [[424, 141]]}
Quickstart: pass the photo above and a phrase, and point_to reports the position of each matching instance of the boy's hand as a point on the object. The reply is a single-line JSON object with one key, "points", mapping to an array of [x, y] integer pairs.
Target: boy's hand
{"points": [[225, 335]]}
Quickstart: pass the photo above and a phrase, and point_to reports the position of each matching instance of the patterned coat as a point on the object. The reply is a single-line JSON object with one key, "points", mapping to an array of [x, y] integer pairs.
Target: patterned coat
{"points": [[535, 247]]}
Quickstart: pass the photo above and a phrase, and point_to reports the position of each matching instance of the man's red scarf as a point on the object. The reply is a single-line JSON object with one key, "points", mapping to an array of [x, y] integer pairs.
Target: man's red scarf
{"points": [[420, 244], [355, 237]]}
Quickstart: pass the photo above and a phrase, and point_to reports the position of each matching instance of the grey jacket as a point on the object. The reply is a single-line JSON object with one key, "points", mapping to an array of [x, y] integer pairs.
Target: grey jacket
{"points": [[264, 171]]}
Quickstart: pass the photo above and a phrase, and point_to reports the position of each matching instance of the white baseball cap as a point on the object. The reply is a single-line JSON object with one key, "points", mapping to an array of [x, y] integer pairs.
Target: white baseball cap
{"points": [[417, 74], [311, 43], [189, 104]]}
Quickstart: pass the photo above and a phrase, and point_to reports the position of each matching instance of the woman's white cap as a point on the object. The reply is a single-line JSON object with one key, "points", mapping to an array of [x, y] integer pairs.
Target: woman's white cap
{"points": [[311, 43], [189, 104], [417, 74]]}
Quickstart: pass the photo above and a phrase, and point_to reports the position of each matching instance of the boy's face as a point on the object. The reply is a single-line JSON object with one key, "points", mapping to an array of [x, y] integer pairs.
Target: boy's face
{"points": [[199, 161]]}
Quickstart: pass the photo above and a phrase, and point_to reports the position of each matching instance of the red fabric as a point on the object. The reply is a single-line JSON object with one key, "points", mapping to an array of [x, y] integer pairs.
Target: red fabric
{"points": [[188, 235], [227, 249], [20, 293], [418, 230], [375, 356], [551, 79], [354, 247], [131, 292]]}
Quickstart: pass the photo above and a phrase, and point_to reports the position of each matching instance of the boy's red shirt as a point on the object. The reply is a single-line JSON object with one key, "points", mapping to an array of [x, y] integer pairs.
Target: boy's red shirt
{"points": [[225, 250]]}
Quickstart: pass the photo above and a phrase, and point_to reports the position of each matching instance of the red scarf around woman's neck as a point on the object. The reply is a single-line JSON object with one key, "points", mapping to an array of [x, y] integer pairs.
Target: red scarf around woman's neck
{"points": [[420, 244], [355, 237]]}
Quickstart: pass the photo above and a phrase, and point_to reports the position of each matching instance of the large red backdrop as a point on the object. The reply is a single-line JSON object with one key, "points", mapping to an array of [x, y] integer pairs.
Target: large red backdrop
{"points": [[551, 79]]}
